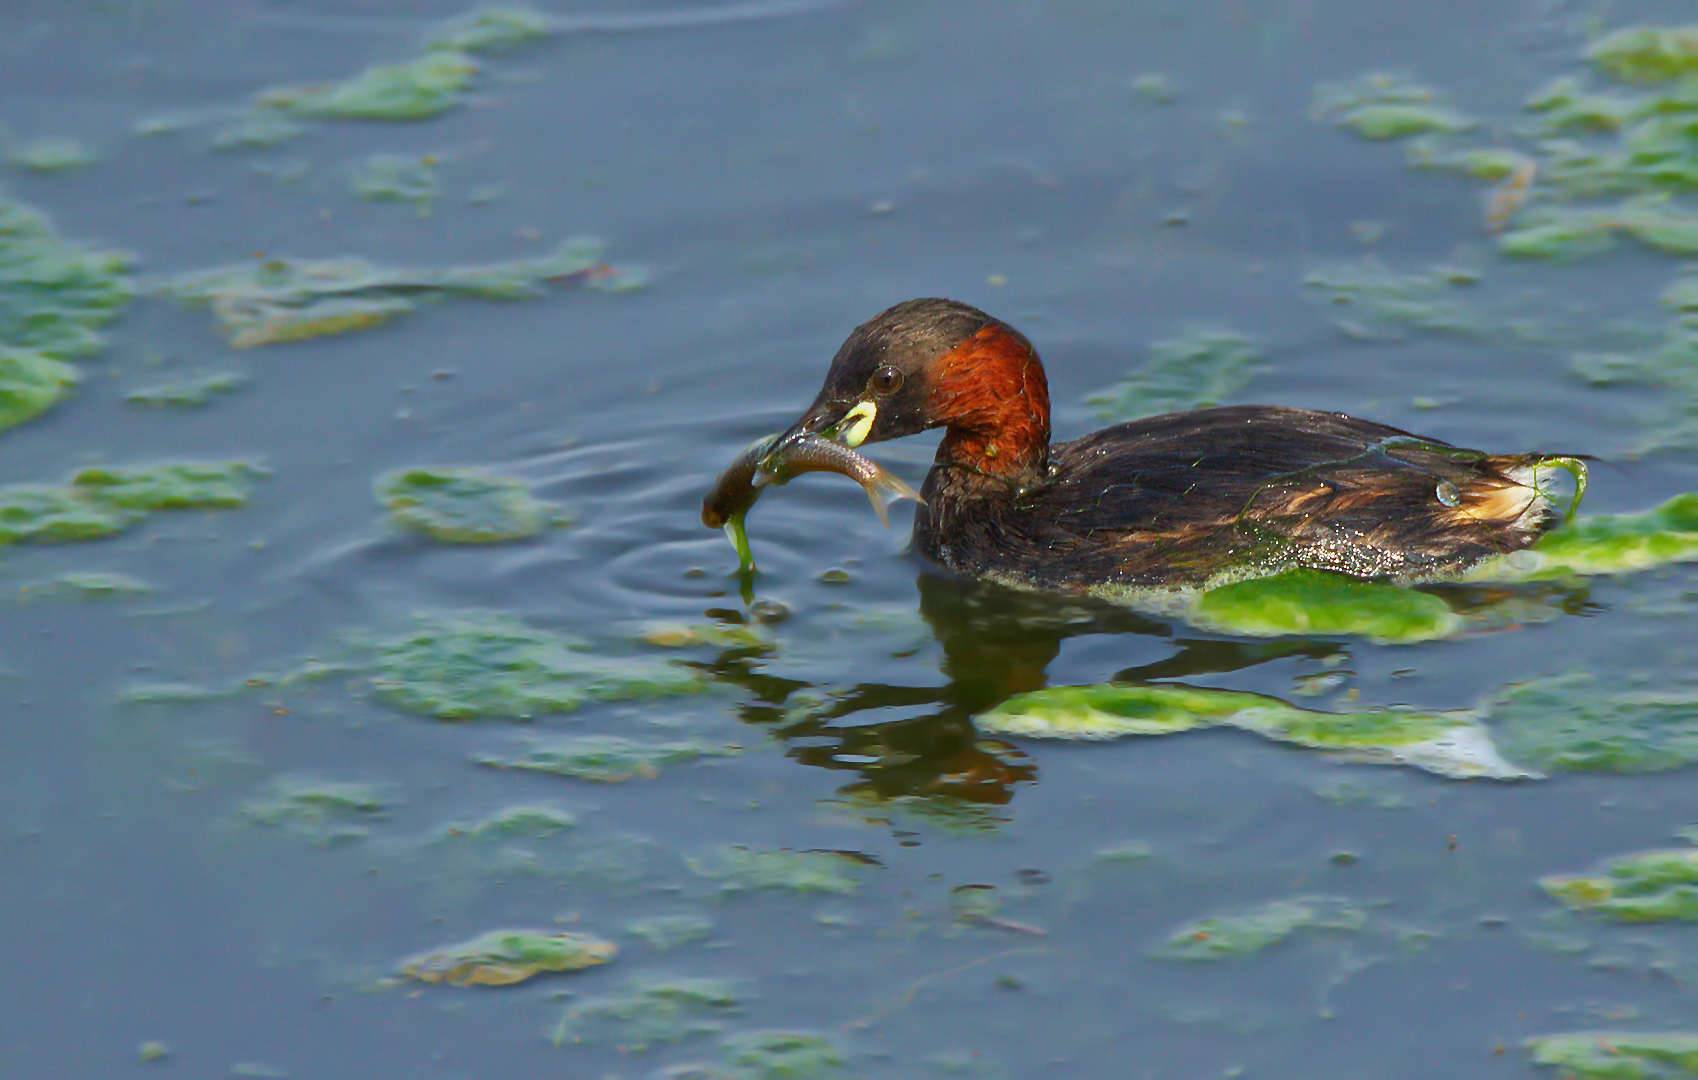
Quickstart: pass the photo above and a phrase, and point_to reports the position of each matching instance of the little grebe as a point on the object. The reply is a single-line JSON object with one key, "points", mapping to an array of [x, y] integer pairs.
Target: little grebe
{"points": [[1174, 500]]}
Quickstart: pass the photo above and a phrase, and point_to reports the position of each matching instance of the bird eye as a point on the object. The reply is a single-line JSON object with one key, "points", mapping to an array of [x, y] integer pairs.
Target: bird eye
{"points": [[886, 380]]}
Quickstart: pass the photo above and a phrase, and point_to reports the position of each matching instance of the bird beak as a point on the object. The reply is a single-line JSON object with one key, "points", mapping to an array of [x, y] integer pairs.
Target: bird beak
{"points": [[829, 420]]}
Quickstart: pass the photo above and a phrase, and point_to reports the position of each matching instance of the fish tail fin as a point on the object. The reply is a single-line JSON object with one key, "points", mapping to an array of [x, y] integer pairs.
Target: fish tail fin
{"points": [[886, 489]]}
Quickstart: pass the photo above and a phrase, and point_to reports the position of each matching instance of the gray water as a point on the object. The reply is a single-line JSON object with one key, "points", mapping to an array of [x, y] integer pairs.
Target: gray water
{"points": [[781, 178]]}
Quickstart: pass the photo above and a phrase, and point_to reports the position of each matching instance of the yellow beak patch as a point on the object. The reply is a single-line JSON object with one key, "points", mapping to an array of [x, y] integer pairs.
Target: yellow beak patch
{"points": [[852, 431]]}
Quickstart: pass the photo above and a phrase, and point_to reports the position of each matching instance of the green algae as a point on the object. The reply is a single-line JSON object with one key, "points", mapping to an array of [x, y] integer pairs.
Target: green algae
{"points": [[416, 89], [261, 129], [1670, 365], [1605, 544], [84, 586], [30, 383], [1575, 723], [52, 155], [1197, 369], [678, 635], [493, 29], [1381, 107], [322, 811], [1235, 937], [1617, 1055], [480, 665], [1645, 54], [101, 502], [1582, 145], [1318, 602], [399, 178], [784, 1055], [1656, 886], [1374, 303], [278, 300], [1450, 744], [946, 814], [606, 759], [189, 392], [742, 869], [649, 1011], [183, 485], [464, 506], [1565, 103], [536, 821], [663, 932], [505, 957], [54, 299]]}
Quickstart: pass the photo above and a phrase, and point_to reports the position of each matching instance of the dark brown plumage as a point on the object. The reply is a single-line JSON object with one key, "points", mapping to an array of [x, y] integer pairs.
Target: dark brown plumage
{"points": [[1169, 500]]}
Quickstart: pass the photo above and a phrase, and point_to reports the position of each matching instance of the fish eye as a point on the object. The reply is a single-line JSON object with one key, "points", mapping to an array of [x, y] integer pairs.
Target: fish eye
{"points": [[886, 380]]}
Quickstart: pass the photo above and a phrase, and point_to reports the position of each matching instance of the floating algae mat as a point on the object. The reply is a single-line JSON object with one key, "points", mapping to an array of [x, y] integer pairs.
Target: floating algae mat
{"points": [[398, 178], [1201, 368], [741, 869], [1568, 722], [491, 30], [664, 932], [261, 129], [1233, 937], [1605, 544], [415, 89], [650, 1011], [1671, 365], [190, 392], [277, 300], [99, 502], [1632, 143], [54, 154], [469, 666], [1575, 722], [1617, 1055], [782, 1055], [1450, 744], [1657, 886], [84, 586], [504, 957], [606, 759], [464, 506], [1385, 107], [1319, 602], [534, 821], [322, 811], [424, 86], [54, 299]]}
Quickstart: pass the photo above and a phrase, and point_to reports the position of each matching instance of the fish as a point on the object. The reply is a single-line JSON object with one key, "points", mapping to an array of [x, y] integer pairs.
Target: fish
{"points": [[774, 460]]}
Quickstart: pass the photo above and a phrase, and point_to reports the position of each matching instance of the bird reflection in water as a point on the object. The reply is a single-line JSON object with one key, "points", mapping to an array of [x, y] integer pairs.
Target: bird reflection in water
{"points": [[998, 642]]}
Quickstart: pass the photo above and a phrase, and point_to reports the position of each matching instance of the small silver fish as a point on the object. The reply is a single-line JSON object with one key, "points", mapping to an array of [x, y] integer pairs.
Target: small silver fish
{"points": [[769, 462]]}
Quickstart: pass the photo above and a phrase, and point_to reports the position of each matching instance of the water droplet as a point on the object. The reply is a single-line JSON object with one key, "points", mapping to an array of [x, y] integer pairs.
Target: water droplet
{"points": [[1447, 493]]}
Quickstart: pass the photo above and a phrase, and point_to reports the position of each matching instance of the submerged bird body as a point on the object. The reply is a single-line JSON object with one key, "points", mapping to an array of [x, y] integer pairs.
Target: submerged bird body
{"points": [[1176, 500]]}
